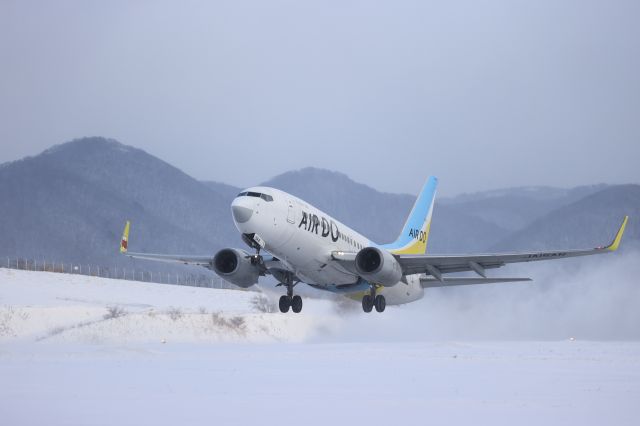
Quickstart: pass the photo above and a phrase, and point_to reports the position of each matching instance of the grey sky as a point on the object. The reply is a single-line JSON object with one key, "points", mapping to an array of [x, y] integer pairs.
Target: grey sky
{"points": [[483, 94]]}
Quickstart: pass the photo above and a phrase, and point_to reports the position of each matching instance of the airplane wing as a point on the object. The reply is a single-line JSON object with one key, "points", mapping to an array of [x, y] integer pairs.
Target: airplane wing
{"points": [[437, 265], [268, 264], [172, 258]]}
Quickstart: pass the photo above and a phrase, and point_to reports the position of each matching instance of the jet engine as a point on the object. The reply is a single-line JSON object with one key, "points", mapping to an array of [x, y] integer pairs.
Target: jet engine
{"points": [[235, 266], [378, 266]]}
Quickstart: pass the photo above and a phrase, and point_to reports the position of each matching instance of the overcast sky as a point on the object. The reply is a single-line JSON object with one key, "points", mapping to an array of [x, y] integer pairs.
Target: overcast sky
{"points": [[483, 94]]}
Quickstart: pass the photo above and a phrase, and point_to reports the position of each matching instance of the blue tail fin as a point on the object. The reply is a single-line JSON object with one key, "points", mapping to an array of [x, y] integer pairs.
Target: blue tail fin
{"points": [[415, 233]]}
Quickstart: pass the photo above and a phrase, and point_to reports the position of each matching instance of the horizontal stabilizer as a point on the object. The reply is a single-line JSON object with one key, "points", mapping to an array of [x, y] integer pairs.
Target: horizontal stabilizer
{"points": [[446, 282]]}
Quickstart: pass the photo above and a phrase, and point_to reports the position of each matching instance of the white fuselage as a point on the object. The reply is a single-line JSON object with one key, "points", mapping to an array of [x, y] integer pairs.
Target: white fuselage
{"points": [[303, 237]]}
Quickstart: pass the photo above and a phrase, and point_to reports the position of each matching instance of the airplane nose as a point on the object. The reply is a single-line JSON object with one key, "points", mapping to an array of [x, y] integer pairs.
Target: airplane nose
{"points": [[241, 214]]}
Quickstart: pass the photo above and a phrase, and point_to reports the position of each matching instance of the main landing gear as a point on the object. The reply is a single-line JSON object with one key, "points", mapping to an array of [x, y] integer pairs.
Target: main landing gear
{"points": [[293, 302], [370, 300], [289, 300]]}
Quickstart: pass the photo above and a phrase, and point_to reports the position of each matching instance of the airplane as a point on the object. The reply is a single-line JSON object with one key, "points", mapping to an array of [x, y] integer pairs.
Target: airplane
{"points": [[305, 245]]}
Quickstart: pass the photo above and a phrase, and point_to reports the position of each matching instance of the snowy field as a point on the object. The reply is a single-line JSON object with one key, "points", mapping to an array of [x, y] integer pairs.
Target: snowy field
{"points": [[81, 351]]}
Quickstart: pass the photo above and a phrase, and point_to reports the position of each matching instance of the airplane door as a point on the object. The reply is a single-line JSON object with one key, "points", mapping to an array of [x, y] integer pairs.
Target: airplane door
{"points": [[291, 213]]}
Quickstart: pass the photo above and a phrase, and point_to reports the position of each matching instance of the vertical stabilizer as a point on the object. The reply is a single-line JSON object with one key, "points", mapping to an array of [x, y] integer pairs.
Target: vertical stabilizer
{"points": [[415, 233]]}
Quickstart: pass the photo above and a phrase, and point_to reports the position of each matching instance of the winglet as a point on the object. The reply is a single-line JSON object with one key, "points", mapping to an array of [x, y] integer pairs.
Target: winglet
{"points": [[616, 241], [125, 238]]}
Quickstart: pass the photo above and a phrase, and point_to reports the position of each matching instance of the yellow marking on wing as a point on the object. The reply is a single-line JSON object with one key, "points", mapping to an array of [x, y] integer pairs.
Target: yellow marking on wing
{"points": [[125, 238], [616, 241]]}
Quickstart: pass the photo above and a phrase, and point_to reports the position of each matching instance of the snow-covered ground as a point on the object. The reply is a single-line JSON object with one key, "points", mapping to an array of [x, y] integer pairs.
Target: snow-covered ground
{"points": [[49, 307], [81, 350]]}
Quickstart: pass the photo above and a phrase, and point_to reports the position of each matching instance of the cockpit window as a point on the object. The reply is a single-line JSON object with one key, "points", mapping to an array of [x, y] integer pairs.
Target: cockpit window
{"points": [[266, 197]]}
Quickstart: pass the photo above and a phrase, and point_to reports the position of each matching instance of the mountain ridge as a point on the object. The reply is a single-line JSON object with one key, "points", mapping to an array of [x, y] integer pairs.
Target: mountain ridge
{"points": [[588, 222], [69, 203]]}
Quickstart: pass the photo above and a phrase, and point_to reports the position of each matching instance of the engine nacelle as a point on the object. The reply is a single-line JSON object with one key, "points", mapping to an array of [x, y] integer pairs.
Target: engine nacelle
{"points": [[378, 266], [235, 266]]}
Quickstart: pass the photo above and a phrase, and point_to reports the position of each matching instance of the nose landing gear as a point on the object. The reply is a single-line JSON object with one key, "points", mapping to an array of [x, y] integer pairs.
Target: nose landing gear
{"points": [[370, 300]]}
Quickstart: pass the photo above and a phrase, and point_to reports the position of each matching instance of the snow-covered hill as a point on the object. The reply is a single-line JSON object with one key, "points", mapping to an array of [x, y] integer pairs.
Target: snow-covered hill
{"points": [[44, 306]]}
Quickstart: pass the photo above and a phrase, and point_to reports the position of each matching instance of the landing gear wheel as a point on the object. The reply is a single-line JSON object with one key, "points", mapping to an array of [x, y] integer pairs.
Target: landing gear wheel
{"points": [[289, 301], [296, 304], [285, 303], [380, 302], [367, 303]]}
